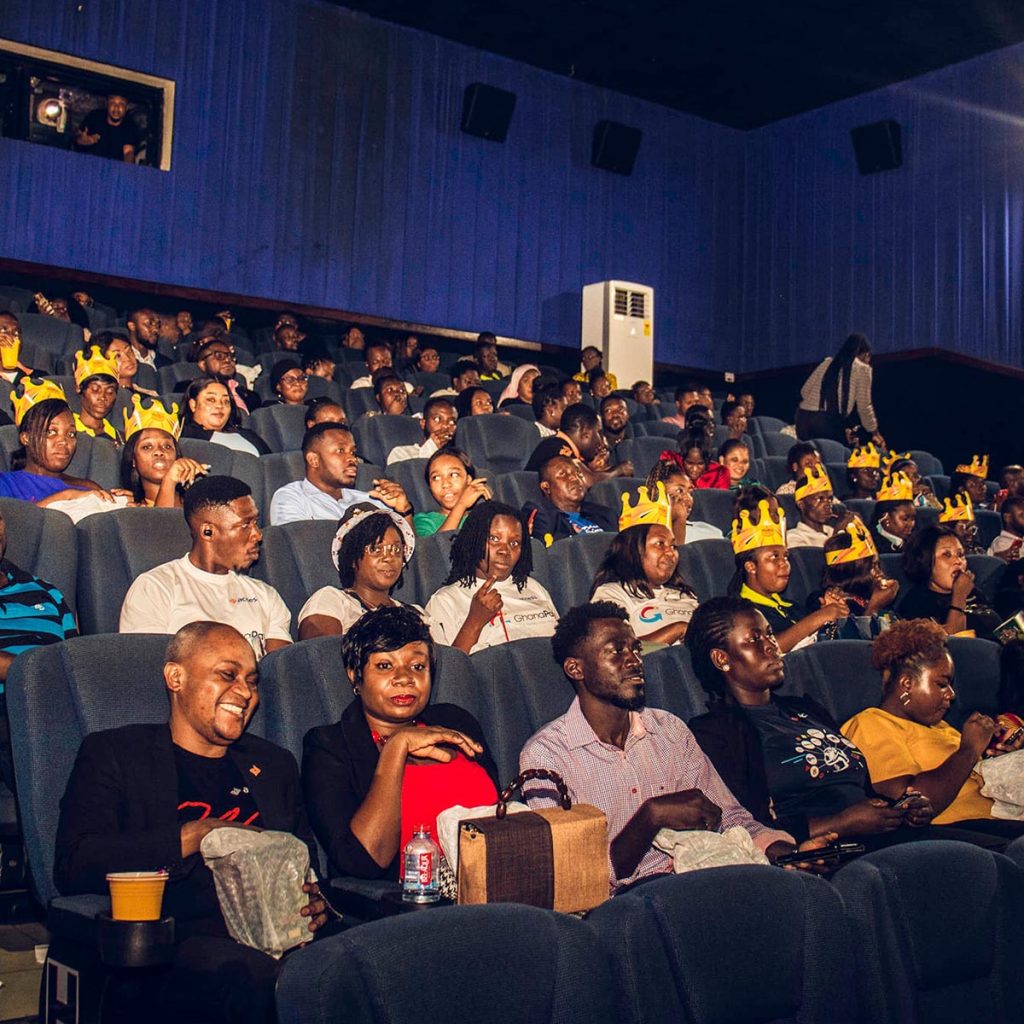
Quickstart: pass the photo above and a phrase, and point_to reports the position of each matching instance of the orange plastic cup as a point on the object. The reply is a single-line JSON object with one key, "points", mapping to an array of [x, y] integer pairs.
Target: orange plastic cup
{"points": [[9, 354], [136, 895]]}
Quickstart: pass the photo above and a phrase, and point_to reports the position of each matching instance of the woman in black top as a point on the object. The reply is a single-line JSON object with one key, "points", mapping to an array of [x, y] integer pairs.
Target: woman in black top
{"points": [[943, 587], [210, 414], [356, 773], [784, 758]]}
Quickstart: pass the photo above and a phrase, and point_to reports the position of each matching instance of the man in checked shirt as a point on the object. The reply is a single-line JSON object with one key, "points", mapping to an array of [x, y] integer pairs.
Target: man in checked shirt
{"points": [[640, 766]]}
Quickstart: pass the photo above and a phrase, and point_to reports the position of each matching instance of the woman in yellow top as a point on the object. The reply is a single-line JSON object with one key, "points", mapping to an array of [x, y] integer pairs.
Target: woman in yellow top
{"points": [[907, 743]]}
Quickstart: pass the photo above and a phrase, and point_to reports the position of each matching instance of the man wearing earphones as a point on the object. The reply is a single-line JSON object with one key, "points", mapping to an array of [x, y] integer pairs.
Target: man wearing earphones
{"points": [[207, 583]]}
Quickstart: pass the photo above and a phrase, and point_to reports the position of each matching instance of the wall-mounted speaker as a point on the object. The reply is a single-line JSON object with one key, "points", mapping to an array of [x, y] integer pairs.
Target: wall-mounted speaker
{"points": [[615, 146], [878, 146], [487, 111]]}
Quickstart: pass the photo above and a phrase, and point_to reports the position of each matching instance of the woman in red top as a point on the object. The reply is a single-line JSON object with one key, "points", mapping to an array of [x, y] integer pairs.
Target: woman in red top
{"points": [[394, 761]]}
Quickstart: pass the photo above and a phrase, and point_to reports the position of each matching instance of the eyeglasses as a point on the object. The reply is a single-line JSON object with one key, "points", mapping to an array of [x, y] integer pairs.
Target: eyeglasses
{"points": [[384, 550], [294, 378], [220, 354]]}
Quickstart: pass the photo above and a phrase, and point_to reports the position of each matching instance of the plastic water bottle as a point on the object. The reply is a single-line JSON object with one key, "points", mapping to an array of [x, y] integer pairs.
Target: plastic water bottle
{"points": [[420, 883]]}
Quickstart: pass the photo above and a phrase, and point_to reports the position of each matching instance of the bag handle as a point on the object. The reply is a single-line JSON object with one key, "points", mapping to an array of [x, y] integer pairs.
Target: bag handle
{"points": [[525, 776]]}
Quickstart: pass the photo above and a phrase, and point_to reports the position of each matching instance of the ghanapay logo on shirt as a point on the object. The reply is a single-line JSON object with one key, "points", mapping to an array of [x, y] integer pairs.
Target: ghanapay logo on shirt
{"points": [[649, 613], [544, 613]]}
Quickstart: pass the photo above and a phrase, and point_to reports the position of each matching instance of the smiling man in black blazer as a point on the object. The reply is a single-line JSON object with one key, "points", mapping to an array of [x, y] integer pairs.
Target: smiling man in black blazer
{"points": [[143, 797]]}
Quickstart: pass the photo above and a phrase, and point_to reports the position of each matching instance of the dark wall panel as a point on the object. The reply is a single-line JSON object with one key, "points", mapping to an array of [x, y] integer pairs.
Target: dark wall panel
{"points": [[318, 158]]}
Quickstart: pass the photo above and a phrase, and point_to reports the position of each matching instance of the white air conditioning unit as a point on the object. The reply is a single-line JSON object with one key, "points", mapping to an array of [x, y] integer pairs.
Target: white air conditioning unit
{"points": [[618, 319]]}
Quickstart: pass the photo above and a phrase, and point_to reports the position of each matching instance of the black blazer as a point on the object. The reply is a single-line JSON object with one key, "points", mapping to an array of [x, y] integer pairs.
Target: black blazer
{"points": [[338, 764], [733, 746], [544, 517], [119, 813]]}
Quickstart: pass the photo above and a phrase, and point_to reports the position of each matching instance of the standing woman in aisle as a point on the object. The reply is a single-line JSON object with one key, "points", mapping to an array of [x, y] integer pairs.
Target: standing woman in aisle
{"points": [[839, 387]]}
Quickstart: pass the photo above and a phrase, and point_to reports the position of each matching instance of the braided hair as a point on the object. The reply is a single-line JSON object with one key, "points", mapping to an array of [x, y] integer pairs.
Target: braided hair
{"points": [[708, 631], [34, 425], [470, 545]]}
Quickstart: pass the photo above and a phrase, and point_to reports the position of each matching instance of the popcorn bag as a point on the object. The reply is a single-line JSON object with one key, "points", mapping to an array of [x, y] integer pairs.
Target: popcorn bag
{"points": [[259, 878]]}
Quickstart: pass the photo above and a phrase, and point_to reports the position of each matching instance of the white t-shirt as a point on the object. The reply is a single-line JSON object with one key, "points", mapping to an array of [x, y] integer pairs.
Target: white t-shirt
{"points": [[804, 536], [341, 605], [530, 612], [176, 593], [647, 614], [404, 452]]}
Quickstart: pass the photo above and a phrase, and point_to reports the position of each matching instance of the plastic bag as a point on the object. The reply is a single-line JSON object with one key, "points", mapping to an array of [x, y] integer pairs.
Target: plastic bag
{"points": [[1004, 782], [691, 850], [259, 878]]}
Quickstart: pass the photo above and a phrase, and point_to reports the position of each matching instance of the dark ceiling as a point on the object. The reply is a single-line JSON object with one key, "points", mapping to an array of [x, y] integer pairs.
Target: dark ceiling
{"points": [[737, 62]]}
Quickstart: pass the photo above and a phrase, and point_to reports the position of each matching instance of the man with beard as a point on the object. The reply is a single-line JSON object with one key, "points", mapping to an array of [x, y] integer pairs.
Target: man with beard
{"points": [[640, 766], [144, 335]]}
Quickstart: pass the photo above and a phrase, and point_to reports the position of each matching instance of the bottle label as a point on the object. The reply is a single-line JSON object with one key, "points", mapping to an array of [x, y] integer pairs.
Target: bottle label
{"points": [[425, 867]]}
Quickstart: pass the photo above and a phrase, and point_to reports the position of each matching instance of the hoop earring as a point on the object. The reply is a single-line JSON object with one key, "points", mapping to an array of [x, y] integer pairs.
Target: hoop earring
{"points": [[355, 690]]}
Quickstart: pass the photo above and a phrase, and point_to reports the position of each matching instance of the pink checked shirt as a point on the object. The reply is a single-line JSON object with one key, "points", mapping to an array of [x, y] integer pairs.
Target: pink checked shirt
{"points": [[661, 756]]}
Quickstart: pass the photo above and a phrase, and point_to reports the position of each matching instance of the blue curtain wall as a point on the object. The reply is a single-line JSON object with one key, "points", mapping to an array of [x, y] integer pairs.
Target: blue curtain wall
{"points": [[318, 159]]}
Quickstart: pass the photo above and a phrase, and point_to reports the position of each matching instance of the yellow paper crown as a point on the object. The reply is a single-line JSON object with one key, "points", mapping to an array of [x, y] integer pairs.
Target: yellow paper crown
{"points": [[978, 467], [766, 532], [867, 457], [816, 482], [958, 509], [97, 365], [861, 545], [896, 487], [154, 416], [31, 391], [893, 457], [646, 510]]}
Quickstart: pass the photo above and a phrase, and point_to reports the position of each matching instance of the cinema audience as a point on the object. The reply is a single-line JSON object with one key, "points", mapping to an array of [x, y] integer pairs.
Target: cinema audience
{"points": [[814, 502], [438, 423], [394, 760], [456, 488], [562, 509], [679, 489], [211, 415], [490, 598], [894, 514], [208, 582], [96, 383], [1007, 545], [370, 549], [143, 797], [153, 468]]}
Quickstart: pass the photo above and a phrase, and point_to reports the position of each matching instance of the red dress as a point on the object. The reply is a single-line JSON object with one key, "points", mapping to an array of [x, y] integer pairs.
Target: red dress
{"points": [[429, 789]]}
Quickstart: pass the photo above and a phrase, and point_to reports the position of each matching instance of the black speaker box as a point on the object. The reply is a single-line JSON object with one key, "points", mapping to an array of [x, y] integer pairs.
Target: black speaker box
{"points": [[487, 111], [615, 146], [878, 146]]}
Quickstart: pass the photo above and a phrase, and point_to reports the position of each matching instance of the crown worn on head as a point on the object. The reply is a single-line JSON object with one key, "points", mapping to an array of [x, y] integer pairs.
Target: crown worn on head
{"points": [[768, 531], [96, 365], [958, 509], [816, 482], [861, 545], [892, 458], [152, 417], [896, 487], [31, 391], [978, 467], [647, 510], [867, 457]]}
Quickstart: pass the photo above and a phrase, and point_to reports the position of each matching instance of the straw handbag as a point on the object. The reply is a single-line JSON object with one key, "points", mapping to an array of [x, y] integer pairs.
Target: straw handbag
{"points": [[555, 858]]}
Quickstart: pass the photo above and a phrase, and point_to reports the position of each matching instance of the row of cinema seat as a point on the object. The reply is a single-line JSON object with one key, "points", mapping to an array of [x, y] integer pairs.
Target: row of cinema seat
{"points": [[95, 562], [928, 933]]}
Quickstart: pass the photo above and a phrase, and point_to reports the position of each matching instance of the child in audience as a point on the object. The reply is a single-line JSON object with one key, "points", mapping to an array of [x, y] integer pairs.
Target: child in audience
{"points": [[489, 597], [958, 514], [863, 471], [894, 515], [370, 550], [1008, 544], [970, 478], [455, 487], [803, 455], [640, 571], [679, 489], [735, 457], [814, 501], [853, 575], [762, 575]]}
